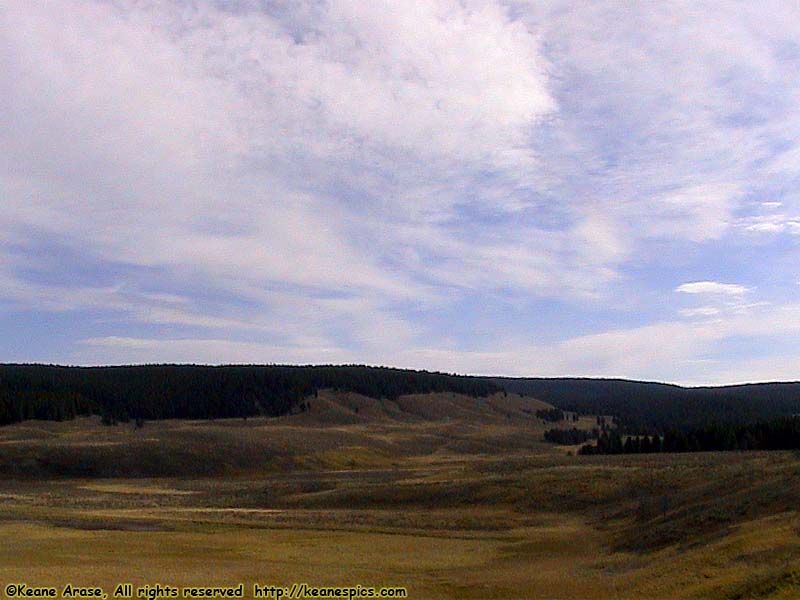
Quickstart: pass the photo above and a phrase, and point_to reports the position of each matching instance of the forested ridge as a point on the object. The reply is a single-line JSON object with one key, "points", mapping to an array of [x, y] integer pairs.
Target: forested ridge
{"points": [[195, 391], [121, 393], [644, 407]]}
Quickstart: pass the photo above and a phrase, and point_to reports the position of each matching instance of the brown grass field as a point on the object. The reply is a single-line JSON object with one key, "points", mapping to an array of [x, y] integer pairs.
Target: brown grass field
{"points": [[448, 496]]}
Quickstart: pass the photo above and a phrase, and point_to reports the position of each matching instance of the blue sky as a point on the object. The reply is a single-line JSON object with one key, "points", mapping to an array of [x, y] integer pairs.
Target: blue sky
{"points": [[488, 187]]}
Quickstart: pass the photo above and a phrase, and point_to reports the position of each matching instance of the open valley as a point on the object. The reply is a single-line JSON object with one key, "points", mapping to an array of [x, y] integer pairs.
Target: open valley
{"points": [[448, 496]]}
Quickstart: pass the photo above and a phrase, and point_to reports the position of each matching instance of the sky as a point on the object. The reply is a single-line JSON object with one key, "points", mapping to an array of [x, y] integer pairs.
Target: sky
{"points": [[526, 188]]}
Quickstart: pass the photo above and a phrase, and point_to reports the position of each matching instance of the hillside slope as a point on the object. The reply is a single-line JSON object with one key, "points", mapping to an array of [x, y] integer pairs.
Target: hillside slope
{"points": [[645, 406], [336, 430], [51, 392]]}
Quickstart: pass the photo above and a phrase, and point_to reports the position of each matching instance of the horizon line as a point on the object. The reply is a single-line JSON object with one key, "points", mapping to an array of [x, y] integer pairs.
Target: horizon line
{"points": [[381, 366]]}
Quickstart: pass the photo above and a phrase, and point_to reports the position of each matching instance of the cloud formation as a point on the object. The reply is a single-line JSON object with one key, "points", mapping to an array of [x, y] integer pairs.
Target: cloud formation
{"points": [[480, 184], [712, 287]]}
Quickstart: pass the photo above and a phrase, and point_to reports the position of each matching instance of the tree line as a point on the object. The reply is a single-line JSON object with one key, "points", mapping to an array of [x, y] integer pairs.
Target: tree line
{"points": [[641, 407], [777, 434], [123, 393], [553, 415], [569, 437]]}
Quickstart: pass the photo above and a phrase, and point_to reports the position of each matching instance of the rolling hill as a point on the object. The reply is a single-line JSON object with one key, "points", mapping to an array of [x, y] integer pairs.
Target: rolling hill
{"points": [[654, 407]]}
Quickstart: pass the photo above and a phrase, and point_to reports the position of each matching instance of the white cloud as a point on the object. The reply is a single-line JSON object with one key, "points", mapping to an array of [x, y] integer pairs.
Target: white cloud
{"points": [[700, 311], [122, 350], [687, 352], [772, 224], [750, 370], [712, 287], [338, 177], [219, 141]]}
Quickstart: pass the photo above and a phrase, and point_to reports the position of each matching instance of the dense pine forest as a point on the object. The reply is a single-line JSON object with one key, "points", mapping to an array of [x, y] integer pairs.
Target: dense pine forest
{"points": [[778, 434], [642, 407], [201, 392], [569, 437]]}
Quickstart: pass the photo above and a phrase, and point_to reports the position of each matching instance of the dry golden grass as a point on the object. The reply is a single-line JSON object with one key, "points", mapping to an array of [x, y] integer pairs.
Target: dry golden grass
{"points": [[123, 488], [393, 494]]}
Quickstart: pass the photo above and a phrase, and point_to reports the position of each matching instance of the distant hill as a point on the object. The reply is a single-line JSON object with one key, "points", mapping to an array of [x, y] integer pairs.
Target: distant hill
{"points": [[120, 393], [649, 407], [201, 392], [339, 430]]}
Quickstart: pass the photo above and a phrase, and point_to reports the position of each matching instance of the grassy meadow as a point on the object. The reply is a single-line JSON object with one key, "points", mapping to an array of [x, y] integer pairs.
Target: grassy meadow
{"points": [[447, 495]]}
